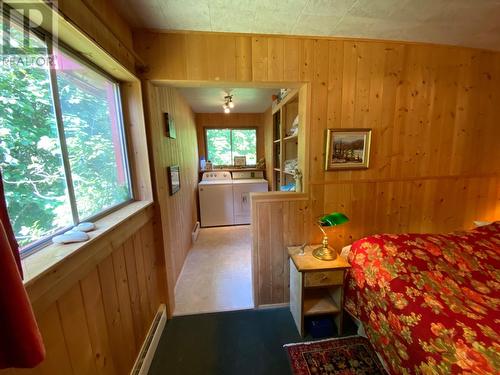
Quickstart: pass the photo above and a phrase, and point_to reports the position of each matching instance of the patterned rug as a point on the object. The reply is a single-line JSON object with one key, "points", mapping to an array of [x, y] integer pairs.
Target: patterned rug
{"points": [[344, 356]]}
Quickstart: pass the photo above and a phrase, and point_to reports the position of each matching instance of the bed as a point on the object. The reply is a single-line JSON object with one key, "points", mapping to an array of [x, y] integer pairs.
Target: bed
{"points": [[429, 303]]}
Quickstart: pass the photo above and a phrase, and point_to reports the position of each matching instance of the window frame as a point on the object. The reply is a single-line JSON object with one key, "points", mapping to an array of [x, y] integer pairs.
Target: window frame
{"points": [[206, 128], [46, 37], [122, 131]]}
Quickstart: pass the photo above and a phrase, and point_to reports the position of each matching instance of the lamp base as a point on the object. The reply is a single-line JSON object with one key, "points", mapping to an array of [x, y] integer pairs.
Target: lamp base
{"points": [[323, 253]]}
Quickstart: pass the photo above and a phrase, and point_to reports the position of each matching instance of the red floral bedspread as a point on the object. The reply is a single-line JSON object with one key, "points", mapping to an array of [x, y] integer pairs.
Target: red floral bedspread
{"points": [[430, 303]]}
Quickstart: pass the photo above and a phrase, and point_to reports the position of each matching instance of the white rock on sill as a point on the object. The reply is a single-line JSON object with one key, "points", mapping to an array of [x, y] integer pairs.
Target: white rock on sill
{"points": [[71, 237]]}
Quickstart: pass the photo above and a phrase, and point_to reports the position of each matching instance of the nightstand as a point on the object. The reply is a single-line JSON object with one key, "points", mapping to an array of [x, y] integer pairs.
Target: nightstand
{"points": [[316, 287]]}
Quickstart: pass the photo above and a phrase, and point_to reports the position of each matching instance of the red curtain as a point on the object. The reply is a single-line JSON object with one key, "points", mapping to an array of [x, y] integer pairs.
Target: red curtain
{"points": [[21, 344]]}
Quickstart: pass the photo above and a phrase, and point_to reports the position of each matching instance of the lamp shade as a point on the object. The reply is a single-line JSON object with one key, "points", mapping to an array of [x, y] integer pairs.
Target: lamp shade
{"points": [[335, 218]]}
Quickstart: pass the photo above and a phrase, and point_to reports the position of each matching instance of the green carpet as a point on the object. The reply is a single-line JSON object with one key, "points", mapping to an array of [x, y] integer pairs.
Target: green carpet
{"points": [[228, 343]]}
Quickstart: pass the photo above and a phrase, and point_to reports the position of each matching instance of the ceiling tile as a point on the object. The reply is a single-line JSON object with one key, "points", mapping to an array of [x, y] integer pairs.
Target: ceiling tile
{"points": [[414, 11], [428, 32], [315, 25], [233, 5], [188, 4], [275, 22], [222, 19], [468, 16], [381, 9], [458, 22], [354, 26], [328, 7], [182, 15], [287, 6]]}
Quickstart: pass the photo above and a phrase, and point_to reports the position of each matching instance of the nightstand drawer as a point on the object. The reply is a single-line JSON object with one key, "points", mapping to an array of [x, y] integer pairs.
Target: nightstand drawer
{"points": [[323, 278]]}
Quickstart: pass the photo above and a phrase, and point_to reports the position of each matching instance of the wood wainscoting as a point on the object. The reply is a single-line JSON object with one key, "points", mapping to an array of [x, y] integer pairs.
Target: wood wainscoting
{"points": [[279, 220], [95, 308]]}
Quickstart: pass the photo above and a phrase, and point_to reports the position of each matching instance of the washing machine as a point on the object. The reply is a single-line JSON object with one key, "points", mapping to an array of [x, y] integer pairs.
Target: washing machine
{"points": [[245, 183], [215, 192]]}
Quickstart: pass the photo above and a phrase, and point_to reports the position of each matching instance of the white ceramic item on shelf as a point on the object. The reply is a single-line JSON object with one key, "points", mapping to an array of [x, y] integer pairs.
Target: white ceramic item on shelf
{"points": [[84, 227], [70, 237]]}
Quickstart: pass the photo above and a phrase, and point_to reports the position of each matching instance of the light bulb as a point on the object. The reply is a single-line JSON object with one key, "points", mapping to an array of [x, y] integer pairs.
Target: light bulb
{"points": [[226, 110], [231, 104]]}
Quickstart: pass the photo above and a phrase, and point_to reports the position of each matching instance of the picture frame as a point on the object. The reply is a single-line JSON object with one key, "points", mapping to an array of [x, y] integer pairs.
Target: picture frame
{"points": [[169, 126], [174, 179], [347, 149], [239, 161]]}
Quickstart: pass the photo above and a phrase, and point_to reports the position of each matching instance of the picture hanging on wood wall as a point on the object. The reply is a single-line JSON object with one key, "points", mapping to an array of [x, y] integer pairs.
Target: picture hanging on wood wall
{"points": [[347, 149], [174, 179], [169, 126]]}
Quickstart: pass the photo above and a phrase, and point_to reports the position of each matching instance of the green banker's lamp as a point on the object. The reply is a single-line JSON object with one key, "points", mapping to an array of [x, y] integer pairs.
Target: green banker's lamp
{"points": [[325, 252]]}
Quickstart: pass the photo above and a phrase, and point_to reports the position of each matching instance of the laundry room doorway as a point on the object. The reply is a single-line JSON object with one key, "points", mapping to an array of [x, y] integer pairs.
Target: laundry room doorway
{"points": [[230, 122], [240, 146]]}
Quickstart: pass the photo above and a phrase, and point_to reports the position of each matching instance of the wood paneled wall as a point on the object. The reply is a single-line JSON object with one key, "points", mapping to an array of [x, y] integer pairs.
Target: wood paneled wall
{"points": [[135, 128], [101, 22], [413, 205], [433, 109], [230, 120], [94, 310], [178, 213]]}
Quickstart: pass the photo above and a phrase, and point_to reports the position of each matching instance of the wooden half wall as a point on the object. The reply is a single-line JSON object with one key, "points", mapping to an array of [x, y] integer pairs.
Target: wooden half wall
{"points": [[433, 111], [279, 220]]}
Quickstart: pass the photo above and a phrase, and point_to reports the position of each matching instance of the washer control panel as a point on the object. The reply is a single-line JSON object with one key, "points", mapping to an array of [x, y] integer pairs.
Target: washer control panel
{"points": [[248, 175], [212, 176]]}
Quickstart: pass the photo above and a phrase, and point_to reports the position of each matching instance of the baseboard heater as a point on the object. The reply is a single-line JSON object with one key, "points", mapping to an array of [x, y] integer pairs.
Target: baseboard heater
{"points": [[148, 349], [196, 231]]}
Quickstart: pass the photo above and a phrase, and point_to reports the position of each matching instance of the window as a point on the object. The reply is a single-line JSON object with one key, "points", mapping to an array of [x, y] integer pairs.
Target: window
{"points": [[62, 149], [224, 144]]}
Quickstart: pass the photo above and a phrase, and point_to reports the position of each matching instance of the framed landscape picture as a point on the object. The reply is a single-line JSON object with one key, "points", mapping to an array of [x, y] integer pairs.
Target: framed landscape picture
{"points": [[174, 180], [347, 149]]}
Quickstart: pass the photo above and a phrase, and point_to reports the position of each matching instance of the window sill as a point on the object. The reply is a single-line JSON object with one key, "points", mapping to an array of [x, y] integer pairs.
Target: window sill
{"points": [[232, 169], [44, 261]]}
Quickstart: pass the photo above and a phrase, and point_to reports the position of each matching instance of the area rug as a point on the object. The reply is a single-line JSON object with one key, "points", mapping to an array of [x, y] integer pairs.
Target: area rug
{"points": [[344, 356]]}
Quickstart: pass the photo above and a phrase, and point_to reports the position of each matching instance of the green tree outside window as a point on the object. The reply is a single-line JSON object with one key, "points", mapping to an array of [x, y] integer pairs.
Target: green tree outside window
{"points": [[224, 144], [31, 160]]}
